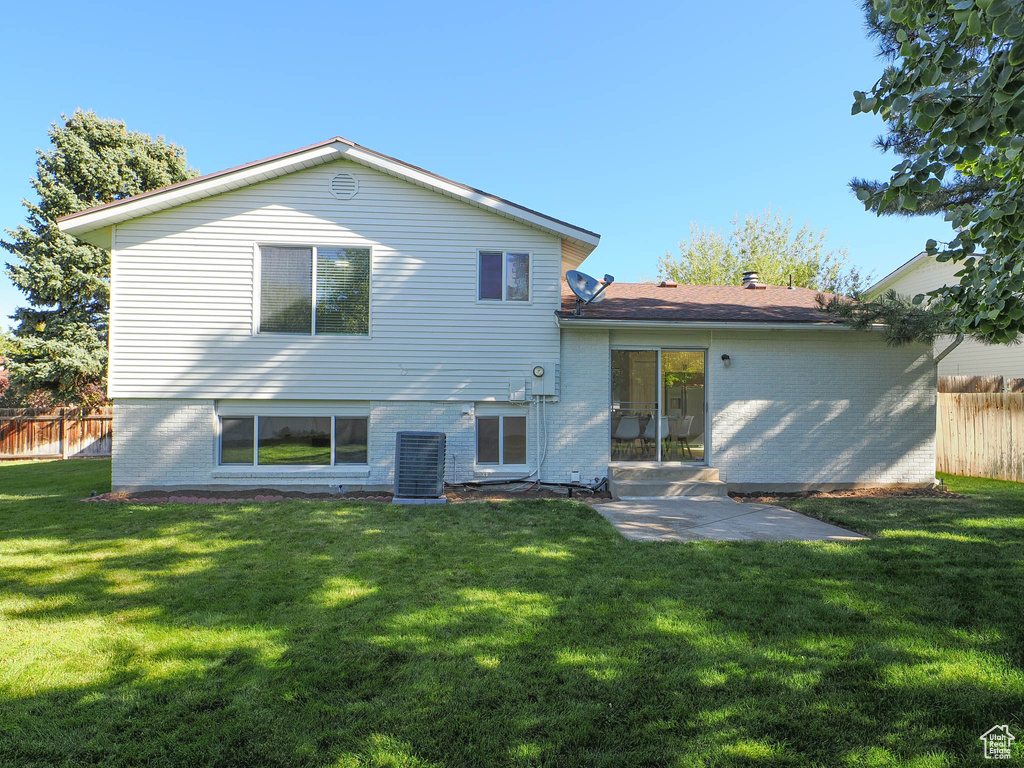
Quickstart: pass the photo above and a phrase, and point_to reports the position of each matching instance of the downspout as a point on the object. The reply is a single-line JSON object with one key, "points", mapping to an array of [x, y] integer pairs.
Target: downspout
{"points": [[956, 343]]}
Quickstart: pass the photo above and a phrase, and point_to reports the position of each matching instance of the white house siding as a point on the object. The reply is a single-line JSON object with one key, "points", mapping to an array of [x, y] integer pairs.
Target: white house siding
{"points": [[163, 443], [971, 358], [580, 422], [793, 409], [171, 443], [812, 408], [183, 307], [821, 409]]}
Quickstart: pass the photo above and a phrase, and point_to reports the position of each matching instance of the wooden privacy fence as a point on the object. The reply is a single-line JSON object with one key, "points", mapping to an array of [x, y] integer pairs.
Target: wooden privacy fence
{"points": [[981, 434], [978, 384], [60, 433]]}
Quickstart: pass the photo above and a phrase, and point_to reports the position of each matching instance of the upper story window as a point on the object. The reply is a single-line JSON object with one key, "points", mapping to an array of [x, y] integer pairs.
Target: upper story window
{"points": [[504, 276], [291, 277]]}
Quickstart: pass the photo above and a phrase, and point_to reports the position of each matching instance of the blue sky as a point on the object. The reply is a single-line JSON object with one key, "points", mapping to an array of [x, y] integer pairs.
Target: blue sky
{"points": [[628, 119]]}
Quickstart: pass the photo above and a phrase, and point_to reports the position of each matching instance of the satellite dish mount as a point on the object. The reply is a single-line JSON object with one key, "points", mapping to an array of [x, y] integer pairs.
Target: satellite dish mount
{"points": [[587, 289]]}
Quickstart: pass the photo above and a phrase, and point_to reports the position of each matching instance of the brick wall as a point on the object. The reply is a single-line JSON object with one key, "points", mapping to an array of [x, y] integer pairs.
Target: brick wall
{"points": [[163, 443], [821, 408], [387, 418], [579, 424], [792, 407]]}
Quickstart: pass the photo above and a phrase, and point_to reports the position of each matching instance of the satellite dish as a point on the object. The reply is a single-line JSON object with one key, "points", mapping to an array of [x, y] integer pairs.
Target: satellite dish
{"points": [[588, 289]]}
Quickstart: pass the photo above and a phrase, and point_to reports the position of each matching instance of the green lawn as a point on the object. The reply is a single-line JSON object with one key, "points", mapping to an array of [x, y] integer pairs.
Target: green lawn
{"points": [[527, 633]]}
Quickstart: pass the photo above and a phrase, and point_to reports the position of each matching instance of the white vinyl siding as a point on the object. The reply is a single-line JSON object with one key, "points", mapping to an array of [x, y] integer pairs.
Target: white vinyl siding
{"points": [[971, 358], [185, 305]]}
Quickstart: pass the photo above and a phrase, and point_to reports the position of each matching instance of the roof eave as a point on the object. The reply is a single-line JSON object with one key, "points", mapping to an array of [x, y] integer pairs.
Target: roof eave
{"points": [[705, 324], [903, 269]]}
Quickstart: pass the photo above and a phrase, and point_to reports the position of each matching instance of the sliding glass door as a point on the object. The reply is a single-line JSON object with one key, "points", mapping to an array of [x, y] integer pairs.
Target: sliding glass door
{"points": [[634, 405], [658, 409]]}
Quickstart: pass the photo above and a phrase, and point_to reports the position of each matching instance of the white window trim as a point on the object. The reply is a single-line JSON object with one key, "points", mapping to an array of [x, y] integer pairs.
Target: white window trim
{"points": [[292, 408], [256, 414], [257, 272], [501, 467], [709, 390], [504, 277]]}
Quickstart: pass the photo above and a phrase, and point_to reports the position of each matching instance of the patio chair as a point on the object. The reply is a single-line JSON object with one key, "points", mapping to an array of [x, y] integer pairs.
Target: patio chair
{"points": [[627, 430], [650, 434], [670, 434], [684, 434]]}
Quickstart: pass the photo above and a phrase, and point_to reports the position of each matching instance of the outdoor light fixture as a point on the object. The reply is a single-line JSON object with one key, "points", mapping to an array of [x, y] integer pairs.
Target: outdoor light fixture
{"points": [[726, 360]]}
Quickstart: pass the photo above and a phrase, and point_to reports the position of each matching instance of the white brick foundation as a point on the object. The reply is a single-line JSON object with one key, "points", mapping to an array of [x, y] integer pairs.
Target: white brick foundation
{"points": [[793, 409], [579, 423], [163, 443], [821, 409]]}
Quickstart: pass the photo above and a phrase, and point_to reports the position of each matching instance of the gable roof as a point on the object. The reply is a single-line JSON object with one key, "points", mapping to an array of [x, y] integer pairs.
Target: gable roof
{"points": [[650, 302], [91, 224], [905, 268]]}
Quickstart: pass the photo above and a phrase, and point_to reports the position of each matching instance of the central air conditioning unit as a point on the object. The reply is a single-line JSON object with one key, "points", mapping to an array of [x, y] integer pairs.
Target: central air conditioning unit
{"points": [[419, 468]]}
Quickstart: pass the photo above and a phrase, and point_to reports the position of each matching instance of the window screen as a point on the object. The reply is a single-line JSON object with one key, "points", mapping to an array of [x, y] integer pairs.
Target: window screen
{"points": [[490, 275], [286, 290], [517, 281], [294, 440], [501, 440], [349, 440], [236, 440], [487, 439], [513, 440], [343, 290]]}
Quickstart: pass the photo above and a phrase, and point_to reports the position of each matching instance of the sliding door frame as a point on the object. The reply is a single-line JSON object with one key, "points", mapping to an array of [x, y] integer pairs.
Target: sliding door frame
{"points": [[660, 396]]}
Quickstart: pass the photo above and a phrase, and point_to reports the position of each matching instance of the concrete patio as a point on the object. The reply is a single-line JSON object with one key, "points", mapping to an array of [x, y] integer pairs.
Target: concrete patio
{"points": [[692, 518]]}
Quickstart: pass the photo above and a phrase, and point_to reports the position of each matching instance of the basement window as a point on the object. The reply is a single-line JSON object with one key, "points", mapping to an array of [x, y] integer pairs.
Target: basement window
{"points": [[503, 276], [314, 291], [302, 441], [501, 440]]}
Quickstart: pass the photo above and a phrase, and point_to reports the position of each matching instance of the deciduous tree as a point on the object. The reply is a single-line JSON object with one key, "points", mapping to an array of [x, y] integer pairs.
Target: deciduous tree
{"points": [[955, 90], [768, 244]]}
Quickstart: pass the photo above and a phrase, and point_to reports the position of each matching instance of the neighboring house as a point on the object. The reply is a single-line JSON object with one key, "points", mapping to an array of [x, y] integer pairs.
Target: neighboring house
{"points": [[971, 358], [277, 323]]}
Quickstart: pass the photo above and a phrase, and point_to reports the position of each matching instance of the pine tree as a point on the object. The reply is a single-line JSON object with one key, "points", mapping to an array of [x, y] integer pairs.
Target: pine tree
{"points": [[60, 337]]}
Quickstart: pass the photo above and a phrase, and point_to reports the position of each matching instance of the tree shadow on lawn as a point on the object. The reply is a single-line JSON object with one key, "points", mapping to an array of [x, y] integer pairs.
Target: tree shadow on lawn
{"points": [[489, 634]]}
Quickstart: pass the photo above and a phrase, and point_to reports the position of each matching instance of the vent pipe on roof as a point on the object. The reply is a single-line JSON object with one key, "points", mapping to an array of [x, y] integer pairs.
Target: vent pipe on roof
{"points": [[751, 280], [668, 284]]}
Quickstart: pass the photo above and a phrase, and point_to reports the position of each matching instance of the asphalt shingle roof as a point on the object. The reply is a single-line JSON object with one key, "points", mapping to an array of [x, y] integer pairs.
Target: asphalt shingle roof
{"points": [[696, 303]]}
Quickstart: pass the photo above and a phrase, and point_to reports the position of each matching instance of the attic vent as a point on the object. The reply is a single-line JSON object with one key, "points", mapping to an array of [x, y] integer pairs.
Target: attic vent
{"points": [[344, 186], [419, 465]]}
